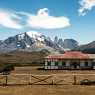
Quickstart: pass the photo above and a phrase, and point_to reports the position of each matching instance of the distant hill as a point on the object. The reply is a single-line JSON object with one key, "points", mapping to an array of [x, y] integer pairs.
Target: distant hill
{"points": [[66, 44], [23, 58], [70, 44], [87, 48]]}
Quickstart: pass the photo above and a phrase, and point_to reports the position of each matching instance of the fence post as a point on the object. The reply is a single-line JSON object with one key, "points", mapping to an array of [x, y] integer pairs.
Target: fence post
{"points": [[30, 79], [75, 80], [6, 73], [52, 83], [6, 79]]}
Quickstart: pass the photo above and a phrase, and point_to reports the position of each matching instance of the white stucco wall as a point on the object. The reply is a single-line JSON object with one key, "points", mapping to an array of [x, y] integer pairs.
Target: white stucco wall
{"points": [[67, 63]]}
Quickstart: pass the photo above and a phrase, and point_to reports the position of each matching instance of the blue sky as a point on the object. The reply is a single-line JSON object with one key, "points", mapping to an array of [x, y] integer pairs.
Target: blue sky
{"points": [[70, 23]]}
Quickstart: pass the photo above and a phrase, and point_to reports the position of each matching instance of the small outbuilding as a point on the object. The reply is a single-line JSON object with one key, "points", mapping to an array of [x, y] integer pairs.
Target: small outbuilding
{"points": [[70, 60]]}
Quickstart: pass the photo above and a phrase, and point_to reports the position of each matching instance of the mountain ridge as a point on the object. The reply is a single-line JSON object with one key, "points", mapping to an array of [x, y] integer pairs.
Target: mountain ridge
{"points": [[35, 41]]}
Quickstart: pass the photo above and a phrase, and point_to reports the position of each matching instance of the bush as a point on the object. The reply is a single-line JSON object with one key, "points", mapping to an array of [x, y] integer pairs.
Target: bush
{"points": [[6, 68]]}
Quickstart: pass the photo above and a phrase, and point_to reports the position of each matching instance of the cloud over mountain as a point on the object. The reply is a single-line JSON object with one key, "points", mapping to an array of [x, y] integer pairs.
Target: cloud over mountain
{"points": [[85, 6], [45, 21], [8, 19], [41, 20]]}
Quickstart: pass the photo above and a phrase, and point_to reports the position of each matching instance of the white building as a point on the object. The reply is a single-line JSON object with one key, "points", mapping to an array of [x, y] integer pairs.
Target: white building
{"points": [[70, 60]]}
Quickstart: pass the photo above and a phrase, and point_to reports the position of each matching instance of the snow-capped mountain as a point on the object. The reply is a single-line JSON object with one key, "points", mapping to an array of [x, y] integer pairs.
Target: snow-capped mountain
{"points": [[35, 41], [35, 35], [28, 41], [66, 44], [70, 44]]}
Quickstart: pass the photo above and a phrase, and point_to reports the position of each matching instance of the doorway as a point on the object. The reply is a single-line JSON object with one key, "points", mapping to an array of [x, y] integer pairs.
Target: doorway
{"points": [[75, 65]]}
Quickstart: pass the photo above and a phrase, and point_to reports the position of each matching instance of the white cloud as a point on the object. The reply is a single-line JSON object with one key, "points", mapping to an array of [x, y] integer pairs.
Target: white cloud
{"points": [[85, 6], [22, 20], [6, 20], [45, 21]]}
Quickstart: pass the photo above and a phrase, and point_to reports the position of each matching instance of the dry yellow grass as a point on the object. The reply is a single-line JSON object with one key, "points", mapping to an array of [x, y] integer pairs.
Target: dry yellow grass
{"points": [[49, 89], [33, 70]]}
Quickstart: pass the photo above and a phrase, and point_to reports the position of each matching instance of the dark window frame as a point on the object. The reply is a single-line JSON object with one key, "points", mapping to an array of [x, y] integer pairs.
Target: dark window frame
{"points": [[48, 63], [56, 63], [86, 63], [63, 63]]}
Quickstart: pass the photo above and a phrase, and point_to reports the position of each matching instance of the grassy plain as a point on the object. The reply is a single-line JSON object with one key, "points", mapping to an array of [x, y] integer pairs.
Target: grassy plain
{"points": [[47, 89]]}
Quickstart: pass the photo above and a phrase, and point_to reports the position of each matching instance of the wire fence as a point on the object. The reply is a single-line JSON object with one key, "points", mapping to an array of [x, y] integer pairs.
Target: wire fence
{"points": [[53, 79]]}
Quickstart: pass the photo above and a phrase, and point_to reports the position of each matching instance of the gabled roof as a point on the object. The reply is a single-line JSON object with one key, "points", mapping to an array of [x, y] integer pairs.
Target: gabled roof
{"points": [[69, 55]]}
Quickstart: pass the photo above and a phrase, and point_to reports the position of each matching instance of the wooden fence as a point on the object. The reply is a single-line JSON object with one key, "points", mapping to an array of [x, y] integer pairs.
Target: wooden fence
{"points": [[30, 79]]}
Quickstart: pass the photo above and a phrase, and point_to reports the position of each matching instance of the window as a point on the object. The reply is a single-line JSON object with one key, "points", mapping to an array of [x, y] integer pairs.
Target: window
{"points": [[93, 63], [63, 63], [53, 63], [86, 63], [49, 63], [56, 63], [60, 63]]}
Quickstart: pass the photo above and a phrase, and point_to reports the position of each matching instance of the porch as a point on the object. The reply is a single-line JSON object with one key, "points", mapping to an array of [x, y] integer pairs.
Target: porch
{"points": [[69, 64]]}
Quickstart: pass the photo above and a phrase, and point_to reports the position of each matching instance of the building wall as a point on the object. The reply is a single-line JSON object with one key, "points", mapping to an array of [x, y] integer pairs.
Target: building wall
{"points": [[68, 64]]}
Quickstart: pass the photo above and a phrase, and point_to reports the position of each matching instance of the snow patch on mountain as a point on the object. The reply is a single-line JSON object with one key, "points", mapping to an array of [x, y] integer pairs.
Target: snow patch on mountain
{"points": [[21, 36], [35, 35]]}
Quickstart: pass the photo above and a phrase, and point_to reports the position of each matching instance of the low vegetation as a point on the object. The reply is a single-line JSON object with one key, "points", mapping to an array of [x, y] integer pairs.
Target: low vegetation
{"points": [[23, 58], [6, 68], [9, 60]]}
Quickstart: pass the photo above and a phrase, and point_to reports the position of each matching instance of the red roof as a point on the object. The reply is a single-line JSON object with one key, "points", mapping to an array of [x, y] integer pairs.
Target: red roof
{"points": [[69, 55]]}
